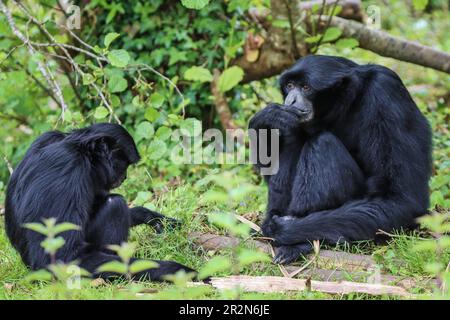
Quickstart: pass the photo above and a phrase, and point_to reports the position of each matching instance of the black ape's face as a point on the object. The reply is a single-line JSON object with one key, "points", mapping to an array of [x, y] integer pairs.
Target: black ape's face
{"points": [[120, 165], [312, 86], [298, 94]]}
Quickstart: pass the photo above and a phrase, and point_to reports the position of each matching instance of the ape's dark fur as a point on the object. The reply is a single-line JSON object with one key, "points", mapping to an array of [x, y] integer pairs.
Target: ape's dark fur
{"points": [[68, 176], [357, 161]]}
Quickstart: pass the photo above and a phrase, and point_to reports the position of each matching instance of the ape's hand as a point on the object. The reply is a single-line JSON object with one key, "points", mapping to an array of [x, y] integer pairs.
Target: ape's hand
{"points": [[276, 116]]}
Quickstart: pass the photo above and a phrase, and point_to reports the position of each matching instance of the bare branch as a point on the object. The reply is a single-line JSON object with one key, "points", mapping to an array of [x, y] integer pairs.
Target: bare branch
{"points": [[386, 45], [45, 71]]}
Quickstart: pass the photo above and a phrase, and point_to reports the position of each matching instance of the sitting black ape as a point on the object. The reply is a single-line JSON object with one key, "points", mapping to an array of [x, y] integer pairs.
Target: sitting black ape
{"points": [[68, 176], [355, 155]]}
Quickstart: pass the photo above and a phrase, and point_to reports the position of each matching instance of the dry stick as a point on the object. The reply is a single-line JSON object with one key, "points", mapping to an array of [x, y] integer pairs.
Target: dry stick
{"points": [[282, 284], [45, 71], [326, 258]]}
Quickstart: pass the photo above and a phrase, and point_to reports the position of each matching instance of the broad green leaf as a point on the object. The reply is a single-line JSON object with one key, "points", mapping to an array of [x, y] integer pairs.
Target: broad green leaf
{"points": [[36, 227], [163, 133], [65, 226], [145, 130], [125, 251], [119, 58], [198, 74], [113, 266], [191, 127], [117, 84], [194, 4], [213, 196], [110, 37], [230, 78], [88, 79], [51, 245], [39, 275], [420, 4], [141, 265], [313, 39], [156, 100], [213, 266], [331, 34], [156, 149], [349, 43], [142, 197], [101, 113], [247, 256], [151, 114]]}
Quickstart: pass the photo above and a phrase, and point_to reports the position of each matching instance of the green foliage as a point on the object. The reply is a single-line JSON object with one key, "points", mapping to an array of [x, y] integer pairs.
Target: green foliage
{"points": [[144, 55], [195, 4]]}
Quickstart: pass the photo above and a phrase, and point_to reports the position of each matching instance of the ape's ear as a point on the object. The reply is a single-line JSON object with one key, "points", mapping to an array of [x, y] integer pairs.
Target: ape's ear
{"points": [[98, 144]]}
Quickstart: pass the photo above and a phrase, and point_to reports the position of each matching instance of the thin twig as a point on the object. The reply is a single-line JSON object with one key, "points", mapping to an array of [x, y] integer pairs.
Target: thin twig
{"points": [[45, 71]]}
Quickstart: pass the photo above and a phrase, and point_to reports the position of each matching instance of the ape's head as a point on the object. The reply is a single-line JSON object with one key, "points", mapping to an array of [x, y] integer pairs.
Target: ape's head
{"points": [[111, 151], [316, 85]]}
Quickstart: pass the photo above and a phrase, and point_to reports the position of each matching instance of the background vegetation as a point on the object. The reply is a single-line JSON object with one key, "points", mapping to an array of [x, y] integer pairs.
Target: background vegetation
{"points": [[156, 66]]}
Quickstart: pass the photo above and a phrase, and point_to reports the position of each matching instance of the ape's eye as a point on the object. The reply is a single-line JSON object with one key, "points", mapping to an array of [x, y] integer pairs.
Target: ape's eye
{"points": [[290, 86], [305, 87]]}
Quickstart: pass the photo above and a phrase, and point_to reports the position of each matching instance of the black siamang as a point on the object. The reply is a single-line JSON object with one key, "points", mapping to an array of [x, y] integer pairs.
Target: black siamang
{"points": [[355, 155], [68, 176]]}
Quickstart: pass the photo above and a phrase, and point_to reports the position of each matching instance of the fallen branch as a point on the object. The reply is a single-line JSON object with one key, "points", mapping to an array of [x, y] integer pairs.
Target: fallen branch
{"points": [[364, 276], [325, 259], [386, 45], [281, 284]]}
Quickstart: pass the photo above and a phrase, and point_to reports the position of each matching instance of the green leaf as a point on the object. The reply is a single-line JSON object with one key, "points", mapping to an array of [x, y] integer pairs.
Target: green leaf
{"points": [[151, 114], [230, 78], [36, 227], [163, 133], [331, 34], [247, 256], [51, 245], [419, 5], [88, 79], [119, 58], [39, 275], [313, 39], [117, 84], [125, 251], [145, 130], [191, 127], [110, 37], [198, 74], [157, 100], [213, 266], [141, 265], [142, 197], [349, 43], [194, 4], [156, 149], [113, 266], [65, 226], [101, 113], [213, 196]]}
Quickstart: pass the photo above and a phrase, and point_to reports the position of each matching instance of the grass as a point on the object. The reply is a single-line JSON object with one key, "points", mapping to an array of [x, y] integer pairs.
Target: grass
{"points": [[184, 202]]}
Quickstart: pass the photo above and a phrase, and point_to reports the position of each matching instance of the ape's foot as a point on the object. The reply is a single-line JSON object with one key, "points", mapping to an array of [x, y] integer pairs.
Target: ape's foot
{"points": [[165, 223], [288, 254]]}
